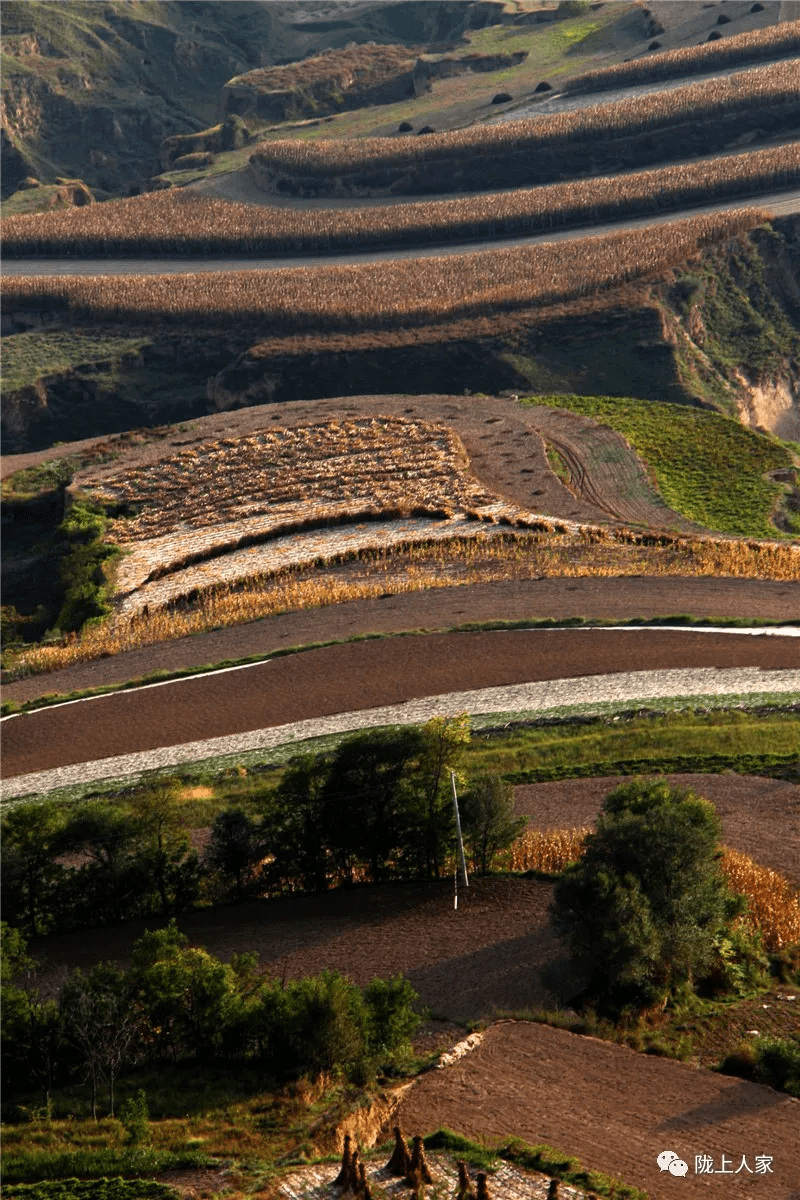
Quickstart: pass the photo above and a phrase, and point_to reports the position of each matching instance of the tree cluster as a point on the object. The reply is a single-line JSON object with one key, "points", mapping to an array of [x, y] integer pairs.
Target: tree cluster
{"points": [[177, 1002], [380, 807], [98, 864], [647, 910]]}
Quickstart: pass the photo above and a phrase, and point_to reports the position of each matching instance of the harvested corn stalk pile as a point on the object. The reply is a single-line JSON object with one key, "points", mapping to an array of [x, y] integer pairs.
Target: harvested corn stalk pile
{"points": [[217, 498]]}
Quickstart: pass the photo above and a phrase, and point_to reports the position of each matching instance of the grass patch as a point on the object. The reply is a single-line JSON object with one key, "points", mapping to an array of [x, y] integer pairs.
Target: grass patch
{"points": [[90, 1189], [707, 467], [677, 741], [28, 357], [95, 1163]]}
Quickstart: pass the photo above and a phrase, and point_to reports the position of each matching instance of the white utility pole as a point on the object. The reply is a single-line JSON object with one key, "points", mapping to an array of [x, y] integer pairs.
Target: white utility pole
{"points": [[458, 832]]}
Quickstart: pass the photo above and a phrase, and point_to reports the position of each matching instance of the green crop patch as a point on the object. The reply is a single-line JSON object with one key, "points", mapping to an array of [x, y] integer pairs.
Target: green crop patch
{"points": [[90, 1189], [707, 467]]}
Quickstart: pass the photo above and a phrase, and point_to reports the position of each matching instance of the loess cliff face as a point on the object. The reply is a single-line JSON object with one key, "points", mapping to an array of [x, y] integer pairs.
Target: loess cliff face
{"points": [[92, 90], [732, 317]]}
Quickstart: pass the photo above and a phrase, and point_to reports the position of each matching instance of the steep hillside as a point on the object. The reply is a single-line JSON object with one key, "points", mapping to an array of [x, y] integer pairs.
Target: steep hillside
{"points": [[92, 90]]}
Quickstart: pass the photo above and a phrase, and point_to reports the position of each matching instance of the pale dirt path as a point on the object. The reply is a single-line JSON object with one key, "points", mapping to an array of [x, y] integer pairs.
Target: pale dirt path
{"points": [[614, 1109]]}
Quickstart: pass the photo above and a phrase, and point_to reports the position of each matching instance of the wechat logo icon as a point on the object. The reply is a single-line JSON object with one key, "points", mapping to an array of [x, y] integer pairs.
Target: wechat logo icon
{"points": [[669, 1161]]}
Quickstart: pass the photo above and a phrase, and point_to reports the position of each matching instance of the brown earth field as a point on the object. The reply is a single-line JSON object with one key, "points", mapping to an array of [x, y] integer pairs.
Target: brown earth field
{"points": [[616, 1110], [596, 597], [505, 443], [354, 676]]}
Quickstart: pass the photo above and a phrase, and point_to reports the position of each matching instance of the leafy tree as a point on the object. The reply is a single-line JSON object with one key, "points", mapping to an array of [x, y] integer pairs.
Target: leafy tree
{"points": [[368, 800], [109, 886], [31, 843], [234, 849], [645, 905], [169, 869], [391, 1020], [443, 742], [30, 1025], [324, 1023], [294, 831], [488, 822], [184, 995]]}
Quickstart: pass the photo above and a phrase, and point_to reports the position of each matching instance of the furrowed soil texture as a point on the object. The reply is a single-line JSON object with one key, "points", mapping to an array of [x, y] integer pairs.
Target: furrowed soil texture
{"points": [[614, 1109]]}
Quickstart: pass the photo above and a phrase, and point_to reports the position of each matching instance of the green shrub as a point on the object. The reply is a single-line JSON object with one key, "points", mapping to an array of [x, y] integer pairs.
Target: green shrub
{"points": [[774, 1061], [779, 1064], [645, 906], [83, 567], [135, 1119]]}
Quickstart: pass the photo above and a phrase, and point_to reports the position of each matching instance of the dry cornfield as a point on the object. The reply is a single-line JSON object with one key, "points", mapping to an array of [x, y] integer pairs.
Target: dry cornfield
{"points": [[742, 96], [497, 555], [207, 500], [773, 905], [388, 462], [773, 42], [182, 222], [384, 294], [548, 850]]}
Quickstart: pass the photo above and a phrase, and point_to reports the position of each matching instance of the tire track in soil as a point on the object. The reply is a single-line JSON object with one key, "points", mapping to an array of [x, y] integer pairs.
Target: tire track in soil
{"points": [[606, 471]]}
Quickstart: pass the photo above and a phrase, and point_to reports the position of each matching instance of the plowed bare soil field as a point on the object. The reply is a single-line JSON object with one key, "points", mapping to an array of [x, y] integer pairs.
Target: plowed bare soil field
{"points": [[616, 1110], [436, 609], [354, 676]]}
